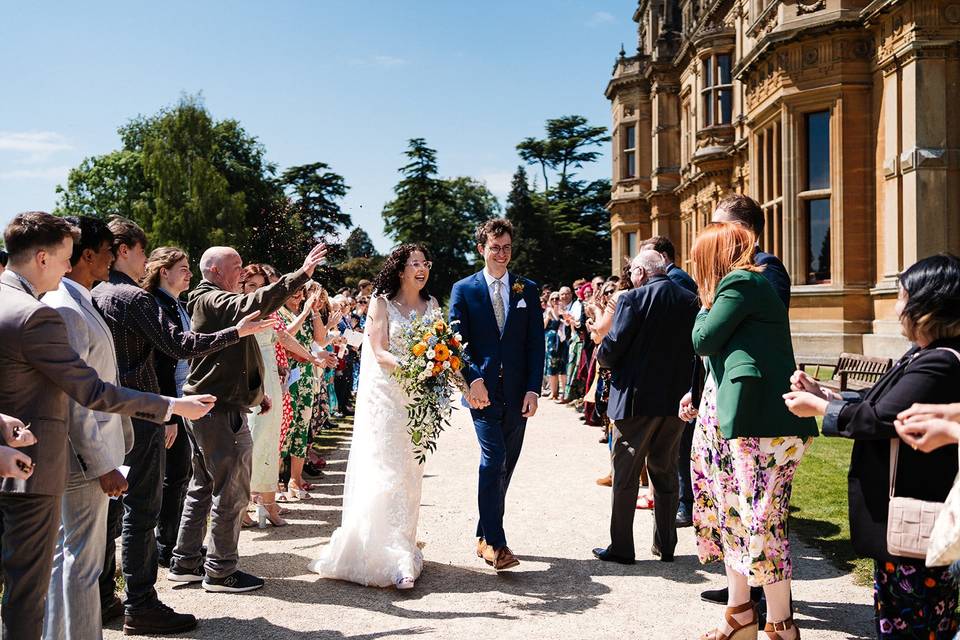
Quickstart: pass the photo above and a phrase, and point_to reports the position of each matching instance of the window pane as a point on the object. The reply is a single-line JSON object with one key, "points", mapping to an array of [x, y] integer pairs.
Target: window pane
{"points": [[631, 167], [708, 109], [723, 68], [708, 73], [630, 140], [631, 244], [818, 249], [726, 106], [818, 150]]}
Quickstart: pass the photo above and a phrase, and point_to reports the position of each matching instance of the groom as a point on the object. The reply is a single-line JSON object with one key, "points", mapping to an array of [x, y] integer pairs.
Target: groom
{"points": [[502, 326]]}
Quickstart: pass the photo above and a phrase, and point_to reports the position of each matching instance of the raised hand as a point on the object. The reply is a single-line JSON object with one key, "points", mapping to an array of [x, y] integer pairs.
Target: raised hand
{"points": [[249, 325], [193, 407], [15, 464], [15, 433], [315, 258]]}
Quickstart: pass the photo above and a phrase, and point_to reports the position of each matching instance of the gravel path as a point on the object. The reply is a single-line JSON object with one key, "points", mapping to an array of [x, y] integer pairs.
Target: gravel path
{"points": [[555, 515]]}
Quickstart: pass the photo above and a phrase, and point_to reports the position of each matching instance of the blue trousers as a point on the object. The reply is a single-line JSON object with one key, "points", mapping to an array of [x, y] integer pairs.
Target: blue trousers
{"points": [[500, 433]]}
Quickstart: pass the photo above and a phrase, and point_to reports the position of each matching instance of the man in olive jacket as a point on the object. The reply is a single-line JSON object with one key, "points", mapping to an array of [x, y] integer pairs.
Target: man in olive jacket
{"points": [[222, 456]]}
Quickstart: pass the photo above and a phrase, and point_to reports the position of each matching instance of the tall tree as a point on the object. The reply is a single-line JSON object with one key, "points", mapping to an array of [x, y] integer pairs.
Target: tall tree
{"points": [[359, 244], [531, 227], [315, 193], [570, 142]]}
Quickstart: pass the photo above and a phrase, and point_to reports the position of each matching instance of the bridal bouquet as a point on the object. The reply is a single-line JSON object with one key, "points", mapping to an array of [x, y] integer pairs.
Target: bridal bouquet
{"points": [[431, 356]]}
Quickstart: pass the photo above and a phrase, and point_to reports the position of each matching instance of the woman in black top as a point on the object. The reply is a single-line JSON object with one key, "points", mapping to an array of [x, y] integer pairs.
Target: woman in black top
{"points": [[912, 601]]}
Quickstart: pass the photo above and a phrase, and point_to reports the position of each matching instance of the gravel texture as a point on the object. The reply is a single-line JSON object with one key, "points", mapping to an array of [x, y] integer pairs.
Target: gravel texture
{"points": [[555, 515]]}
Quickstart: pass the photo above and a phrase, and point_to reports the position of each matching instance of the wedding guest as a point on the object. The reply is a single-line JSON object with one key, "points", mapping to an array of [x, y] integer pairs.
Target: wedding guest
{"points": [[41, 370], [365, 288], [3, 260], [650, 356], [223, 445], [265, 427], [910, 599], [167, 275], [570, 312], [663, 246], [747, 446], [98, 443], [554, 338], [140, 329]]}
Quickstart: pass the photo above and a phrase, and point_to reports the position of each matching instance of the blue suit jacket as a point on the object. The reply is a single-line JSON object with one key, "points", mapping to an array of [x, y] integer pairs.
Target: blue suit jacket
{"points": [[517, 356], [776, 274], [682, 278]]}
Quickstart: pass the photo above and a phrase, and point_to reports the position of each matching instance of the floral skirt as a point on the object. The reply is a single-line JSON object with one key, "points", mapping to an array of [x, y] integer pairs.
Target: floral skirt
{"points": [[913, 601], [297, 437], [741, 490]]}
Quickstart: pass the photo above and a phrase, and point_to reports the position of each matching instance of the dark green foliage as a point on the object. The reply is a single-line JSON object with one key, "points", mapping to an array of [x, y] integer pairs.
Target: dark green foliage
{"points": [[359, 244]]}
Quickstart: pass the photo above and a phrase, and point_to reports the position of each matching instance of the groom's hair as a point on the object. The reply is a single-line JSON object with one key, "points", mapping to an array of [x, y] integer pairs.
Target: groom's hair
{"points": [[494, 227]]}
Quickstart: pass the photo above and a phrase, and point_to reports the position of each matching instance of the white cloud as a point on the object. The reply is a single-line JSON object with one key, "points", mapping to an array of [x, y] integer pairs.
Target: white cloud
{"points": [[600, 18], [498, 182], [48, 173], [33, 146]]}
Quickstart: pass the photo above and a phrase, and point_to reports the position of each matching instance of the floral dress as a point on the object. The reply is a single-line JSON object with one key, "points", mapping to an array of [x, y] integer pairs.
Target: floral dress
{"points": [[741, 490], [302, 392], [914, 601], [283, 364]]}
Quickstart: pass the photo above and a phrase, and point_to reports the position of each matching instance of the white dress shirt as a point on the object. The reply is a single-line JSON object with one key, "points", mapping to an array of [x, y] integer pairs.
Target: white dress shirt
{"points": [[504, 291]]}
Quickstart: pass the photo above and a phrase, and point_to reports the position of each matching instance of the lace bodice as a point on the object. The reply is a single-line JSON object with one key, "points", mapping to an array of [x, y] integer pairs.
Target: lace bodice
{"points": [[399, 321]]}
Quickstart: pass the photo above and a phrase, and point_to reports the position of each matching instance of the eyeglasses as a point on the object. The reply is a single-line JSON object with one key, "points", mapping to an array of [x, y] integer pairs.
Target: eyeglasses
{"points": [[416, 264], [505, 249]]}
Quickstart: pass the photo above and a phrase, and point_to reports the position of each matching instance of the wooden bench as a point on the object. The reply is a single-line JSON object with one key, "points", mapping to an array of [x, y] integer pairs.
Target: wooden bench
{"points": [[852, 372]]}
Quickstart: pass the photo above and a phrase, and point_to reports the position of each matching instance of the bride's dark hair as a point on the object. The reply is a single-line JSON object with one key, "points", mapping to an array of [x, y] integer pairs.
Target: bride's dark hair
{"points": [[387, 282]]}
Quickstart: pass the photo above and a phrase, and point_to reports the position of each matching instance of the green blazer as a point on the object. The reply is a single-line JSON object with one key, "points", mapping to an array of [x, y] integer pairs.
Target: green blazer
{"points": [[746, 339]]}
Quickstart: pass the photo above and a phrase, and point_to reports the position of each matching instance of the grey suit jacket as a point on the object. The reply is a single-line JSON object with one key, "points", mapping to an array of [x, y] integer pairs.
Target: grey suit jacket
{"points": [[38, 371], [99, 440]]}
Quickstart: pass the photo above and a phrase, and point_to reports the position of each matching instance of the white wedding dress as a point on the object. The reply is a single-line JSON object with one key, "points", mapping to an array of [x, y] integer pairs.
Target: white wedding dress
{"points": [[376, 544]]}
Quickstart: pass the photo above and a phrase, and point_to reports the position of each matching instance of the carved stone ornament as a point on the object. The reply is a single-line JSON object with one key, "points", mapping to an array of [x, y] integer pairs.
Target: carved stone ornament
{"points": [[951, 13], [810, 7]]}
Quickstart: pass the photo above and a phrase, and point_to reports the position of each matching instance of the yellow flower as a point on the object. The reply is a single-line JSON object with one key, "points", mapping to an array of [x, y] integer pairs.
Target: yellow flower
{"points": [[419, 349], [441, 351], [518, 287], [427, 336]]}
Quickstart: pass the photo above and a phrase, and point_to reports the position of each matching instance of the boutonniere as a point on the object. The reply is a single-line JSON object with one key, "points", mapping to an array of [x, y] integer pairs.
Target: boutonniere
{"points": [[518, 286]]}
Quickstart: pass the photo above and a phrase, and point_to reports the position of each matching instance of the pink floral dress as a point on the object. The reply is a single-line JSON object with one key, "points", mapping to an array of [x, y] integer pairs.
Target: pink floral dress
{"points": [[741, 491]]}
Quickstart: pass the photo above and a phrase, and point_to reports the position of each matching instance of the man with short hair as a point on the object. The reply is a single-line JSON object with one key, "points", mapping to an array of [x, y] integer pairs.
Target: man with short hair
{"points": [[40, 371], [140, 327], [98, 444], [223, 444], [364, 288], [663, 246], [649, 351]]}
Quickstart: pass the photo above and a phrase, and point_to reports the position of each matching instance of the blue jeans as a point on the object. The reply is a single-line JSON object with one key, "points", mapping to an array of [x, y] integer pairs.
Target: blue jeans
{"points": [[73, 600], [141, 511], [500, 433]]}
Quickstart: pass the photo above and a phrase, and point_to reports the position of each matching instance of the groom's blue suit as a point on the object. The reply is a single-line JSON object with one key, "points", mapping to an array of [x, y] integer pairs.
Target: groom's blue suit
{"points": [[511, 365]]}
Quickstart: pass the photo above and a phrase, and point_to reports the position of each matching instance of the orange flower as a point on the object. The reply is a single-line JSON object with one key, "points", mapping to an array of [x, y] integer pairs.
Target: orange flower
{"points": [[441, 351], [437, 369], [930, 583], [439, 326], [888, 567], [419, 349], [454, 343], [427, 336], [455, 363]]}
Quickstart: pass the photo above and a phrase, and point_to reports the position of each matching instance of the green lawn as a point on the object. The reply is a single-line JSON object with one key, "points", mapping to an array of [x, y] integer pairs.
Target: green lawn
{"points": [[819, 505]]}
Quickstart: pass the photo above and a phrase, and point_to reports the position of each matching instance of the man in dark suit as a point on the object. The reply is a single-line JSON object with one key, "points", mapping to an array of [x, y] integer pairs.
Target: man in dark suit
{"points": [[650, 354], [501, 323], [40, 371], [663, 246]]}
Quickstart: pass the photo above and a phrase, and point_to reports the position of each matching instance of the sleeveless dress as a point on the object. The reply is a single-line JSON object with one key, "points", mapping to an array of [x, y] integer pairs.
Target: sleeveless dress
{"points": [[265, 428], [376, 543]]}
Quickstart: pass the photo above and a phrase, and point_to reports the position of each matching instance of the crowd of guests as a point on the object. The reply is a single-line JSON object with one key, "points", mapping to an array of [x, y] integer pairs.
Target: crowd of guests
{"points": [[135, 407], [693, 379], [130, 410]]}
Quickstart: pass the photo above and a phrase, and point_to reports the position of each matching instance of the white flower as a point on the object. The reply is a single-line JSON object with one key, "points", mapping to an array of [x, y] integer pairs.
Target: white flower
{"points": [[430, 354], [458, 337], [446, 364]]}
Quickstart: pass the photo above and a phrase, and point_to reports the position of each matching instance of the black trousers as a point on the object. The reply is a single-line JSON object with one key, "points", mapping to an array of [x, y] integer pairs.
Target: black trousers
{"points": [[656, 441], [30, 526], [175, 480]]}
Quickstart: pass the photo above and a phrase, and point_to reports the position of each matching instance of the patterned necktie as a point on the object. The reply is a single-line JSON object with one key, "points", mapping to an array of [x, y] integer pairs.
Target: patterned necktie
{"points": [[498, 310]]}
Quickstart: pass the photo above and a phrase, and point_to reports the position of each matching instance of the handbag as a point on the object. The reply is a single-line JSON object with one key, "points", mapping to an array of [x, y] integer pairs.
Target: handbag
{"points": [[910, 522]]}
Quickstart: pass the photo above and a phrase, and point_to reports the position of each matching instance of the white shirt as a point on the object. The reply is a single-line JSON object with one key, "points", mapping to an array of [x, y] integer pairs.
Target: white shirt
{"points": [[504, 291]]}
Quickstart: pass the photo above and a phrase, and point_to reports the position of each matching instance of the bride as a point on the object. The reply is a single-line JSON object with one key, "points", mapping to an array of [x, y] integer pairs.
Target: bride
{"points": [[376, 544]]}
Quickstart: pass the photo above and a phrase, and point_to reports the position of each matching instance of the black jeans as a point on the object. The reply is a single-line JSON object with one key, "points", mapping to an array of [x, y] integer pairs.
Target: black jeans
{"points": [[108, 577], [175, 480], [141, 511]]}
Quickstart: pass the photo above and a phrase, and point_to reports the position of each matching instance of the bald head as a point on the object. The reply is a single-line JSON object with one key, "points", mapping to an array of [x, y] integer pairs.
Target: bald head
{"points": [[647, 264], [223, 267]]}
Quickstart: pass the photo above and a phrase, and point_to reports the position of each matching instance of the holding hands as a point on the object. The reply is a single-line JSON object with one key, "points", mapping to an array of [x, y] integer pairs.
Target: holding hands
{"points": [[929, 426]]}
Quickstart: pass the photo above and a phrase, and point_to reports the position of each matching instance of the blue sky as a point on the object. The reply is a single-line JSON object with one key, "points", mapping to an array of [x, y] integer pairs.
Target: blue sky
{"points": [[346, 83]]}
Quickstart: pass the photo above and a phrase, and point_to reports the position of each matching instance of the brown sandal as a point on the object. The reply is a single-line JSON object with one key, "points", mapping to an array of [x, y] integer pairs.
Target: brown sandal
{"points": [[738, 631], [773, 627]]}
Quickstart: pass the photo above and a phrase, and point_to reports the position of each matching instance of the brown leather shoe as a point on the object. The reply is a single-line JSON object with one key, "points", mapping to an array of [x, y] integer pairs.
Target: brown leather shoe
{"points": [[605, 481], [481, 545], [505, 559]]}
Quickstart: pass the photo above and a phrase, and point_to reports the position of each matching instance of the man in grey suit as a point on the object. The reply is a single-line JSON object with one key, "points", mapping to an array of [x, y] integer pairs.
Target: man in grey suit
{"points": [[98, 442], [40, 372]]}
